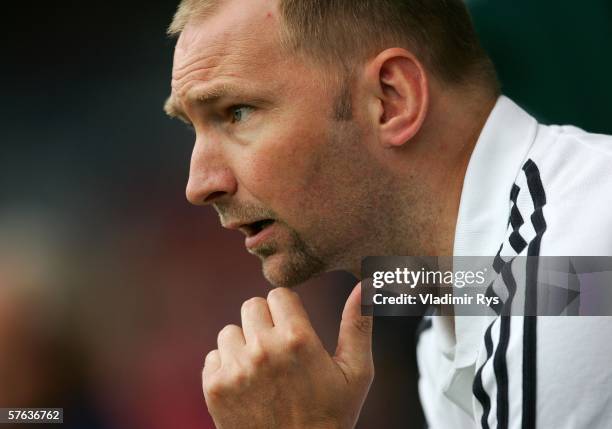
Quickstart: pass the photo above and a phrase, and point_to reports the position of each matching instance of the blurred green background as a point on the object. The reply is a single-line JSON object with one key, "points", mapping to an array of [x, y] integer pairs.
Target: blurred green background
{"points": [[553, 57], [112, 288]]}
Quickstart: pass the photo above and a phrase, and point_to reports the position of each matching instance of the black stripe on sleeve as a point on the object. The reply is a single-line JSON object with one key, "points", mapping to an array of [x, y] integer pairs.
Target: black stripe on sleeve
{"points": [[501, 372], [529, 372], [517, 241], [500, 364], [498, 262], [536, 189], [496, 304], [498, 265], [477, 388]]}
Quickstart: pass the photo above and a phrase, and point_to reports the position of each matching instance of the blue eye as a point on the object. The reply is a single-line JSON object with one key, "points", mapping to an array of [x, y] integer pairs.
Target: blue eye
{"points": [[240, 113]]}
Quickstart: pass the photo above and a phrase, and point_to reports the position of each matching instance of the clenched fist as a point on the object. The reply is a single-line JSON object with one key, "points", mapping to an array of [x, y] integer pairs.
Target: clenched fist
{"points": [[274, 372]]}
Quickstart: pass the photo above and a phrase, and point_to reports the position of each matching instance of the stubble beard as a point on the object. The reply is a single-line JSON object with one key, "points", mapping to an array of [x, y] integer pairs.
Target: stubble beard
{"points": [[297, 264], [301, 262], [286, 265]]}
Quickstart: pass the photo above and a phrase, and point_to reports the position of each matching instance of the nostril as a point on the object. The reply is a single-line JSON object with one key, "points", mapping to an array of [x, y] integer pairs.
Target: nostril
{"points": [[213, 196]]}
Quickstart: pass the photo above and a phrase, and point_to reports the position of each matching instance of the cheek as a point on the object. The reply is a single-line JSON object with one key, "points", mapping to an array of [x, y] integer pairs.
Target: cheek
{"points": [[288, 173]]}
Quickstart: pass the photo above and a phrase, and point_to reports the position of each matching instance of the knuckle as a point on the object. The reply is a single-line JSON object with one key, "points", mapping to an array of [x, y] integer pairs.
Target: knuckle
{"points": [[252, 303], [227, 384], [211, 358], [296, 339], [214, 388], [237, 379], [259, 356], [279, 293], [227, 331]]}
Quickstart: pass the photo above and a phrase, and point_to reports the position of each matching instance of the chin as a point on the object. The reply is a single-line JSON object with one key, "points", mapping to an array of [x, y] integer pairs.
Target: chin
{"points": [[283, 270]]}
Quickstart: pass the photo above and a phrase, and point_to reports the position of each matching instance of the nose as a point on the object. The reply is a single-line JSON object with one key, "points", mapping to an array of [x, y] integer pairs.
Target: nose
{"points": [[210, 176]]}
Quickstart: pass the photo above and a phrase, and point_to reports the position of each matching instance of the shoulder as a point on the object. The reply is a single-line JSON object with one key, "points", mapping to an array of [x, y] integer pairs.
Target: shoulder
{"points": [[574, 170], [567, 152]]}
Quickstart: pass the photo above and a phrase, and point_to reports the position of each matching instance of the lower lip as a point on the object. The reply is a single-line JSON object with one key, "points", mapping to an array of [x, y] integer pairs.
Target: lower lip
{"points": [[258, 239]]}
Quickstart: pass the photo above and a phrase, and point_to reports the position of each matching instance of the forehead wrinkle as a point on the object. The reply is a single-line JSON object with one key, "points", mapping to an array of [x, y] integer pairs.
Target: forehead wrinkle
{"points": [[201, 51], [233, 59], [195, 62], [218, 82], [237, 50], [238, 64], [197, 74]]}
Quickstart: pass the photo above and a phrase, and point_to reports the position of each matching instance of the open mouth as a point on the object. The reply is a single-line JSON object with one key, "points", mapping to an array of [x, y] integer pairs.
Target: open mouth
{"points": [[255, 228]]}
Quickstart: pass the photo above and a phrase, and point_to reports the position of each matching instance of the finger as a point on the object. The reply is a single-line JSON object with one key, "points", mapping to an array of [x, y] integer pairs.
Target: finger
{"points": [[256, 318], [286, 308], [355, 337], [212, 363], [230, 343]]}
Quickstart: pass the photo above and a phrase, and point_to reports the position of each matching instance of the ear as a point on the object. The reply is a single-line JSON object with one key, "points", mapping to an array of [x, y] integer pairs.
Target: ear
{"points": [[400, 91]]}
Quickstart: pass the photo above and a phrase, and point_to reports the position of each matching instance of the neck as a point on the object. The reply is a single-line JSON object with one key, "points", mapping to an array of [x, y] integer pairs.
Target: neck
{"points": [[427, 180], [443, 153]]}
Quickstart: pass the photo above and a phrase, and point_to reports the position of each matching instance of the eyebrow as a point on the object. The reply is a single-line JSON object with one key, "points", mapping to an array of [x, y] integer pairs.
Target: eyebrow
{"points": [[200, 96], [173, 110]]}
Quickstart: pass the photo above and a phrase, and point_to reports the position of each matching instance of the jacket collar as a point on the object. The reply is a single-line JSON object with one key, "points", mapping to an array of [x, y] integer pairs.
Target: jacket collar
{"points": [[484, 208]]}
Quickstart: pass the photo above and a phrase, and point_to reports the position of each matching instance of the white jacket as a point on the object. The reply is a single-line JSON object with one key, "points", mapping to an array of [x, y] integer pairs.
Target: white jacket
{"points": [[526, 372]]}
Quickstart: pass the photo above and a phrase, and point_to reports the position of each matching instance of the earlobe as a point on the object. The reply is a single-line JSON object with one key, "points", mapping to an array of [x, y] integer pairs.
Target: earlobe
{"points": [[404, 96]]}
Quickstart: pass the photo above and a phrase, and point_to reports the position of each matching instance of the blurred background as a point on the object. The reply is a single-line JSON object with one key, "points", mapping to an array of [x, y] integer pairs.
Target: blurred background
{"points": [[112, 287]]}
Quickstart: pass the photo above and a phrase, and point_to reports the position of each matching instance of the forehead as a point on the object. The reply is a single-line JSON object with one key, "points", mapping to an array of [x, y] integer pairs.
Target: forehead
{"points": [[239, 39]]}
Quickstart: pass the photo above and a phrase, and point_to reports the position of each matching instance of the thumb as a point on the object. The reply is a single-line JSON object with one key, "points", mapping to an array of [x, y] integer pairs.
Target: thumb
{"points": [[354, 351]]}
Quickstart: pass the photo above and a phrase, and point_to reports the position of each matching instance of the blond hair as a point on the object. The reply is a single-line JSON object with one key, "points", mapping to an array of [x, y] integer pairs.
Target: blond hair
{"points": [[342, 32]]}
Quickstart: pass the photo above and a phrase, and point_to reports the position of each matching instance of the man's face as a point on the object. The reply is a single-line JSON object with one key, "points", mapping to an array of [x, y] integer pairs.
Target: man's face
{"points": [[269, 154]]}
